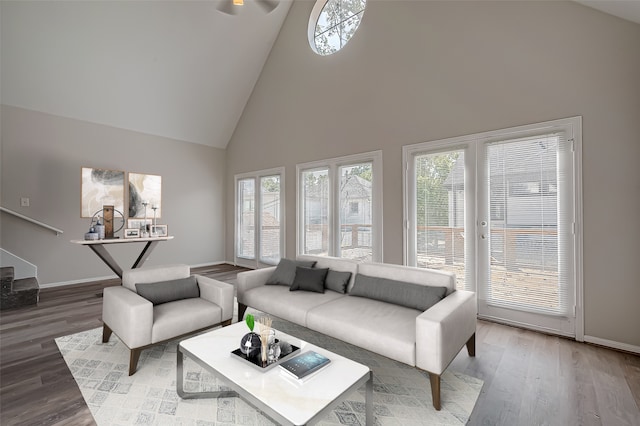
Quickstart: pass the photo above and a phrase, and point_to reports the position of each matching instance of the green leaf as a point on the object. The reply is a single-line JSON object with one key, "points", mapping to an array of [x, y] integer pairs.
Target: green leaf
{"points": [[250, 321]]}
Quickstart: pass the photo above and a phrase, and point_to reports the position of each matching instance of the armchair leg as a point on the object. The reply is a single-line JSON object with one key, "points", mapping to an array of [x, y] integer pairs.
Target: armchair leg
{"points": [[435, 390], [471, 345], [134, 356], [106, 333], [241, 310]]}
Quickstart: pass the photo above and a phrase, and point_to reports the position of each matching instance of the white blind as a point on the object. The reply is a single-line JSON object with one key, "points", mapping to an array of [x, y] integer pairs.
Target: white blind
{"points": [[531, 224]]}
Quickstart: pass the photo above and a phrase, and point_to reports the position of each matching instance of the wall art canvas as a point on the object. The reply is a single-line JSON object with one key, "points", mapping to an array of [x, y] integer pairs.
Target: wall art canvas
{"points": [[101, 187], [144, 188]]}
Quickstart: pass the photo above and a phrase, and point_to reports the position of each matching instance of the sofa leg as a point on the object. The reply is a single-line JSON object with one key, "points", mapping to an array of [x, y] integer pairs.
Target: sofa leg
{"points": [[134, 356], [241, 310], [435, 390], [225, 323], [471, 345], [106, 333]]}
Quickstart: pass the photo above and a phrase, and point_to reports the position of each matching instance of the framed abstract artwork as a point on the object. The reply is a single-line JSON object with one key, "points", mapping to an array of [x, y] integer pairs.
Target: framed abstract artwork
{"points": [[145, 192], [100, 187]]}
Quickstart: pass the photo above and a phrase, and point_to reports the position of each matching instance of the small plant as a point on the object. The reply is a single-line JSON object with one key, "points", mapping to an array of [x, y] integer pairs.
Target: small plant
{"points": [[250, 320]]}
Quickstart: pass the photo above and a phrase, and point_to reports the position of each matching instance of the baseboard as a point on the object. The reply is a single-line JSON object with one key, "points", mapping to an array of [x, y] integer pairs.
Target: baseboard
{"points": [[80, 281], [612, 344], [110, 277]]}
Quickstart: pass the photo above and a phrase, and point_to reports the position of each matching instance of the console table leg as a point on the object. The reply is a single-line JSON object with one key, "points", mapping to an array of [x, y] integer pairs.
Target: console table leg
{"points": [[106, 258], [144, 254]]}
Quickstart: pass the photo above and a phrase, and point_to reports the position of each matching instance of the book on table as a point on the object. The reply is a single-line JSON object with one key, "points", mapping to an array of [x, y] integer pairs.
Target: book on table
{"points": [[305, 364]]}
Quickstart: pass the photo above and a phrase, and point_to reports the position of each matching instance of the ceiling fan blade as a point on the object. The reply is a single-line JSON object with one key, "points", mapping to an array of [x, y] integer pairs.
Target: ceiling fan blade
{"points": [[226, 6], [267, 5]]}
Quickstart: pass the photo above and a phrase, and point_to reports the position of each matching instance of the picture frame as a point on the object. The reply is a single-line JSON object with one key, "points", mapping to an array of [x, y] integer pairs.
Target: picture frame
{"points": [[134, 223], [132, 233], [160, 230], [145, 188], [100, 187]]}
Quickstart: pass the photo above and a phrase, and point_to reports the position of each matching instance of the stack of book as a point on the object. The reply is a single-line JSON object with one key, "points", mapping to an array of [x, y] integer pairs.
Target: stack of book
{"points": [[305, 365]]}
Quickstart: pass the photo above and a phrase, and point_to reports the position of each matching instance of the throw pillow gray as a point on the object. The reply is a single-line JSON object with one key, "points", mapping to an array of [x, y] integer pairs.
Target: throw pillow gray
{"points": [[337, 280], [286, 271], [309, 279], [415, 296], [168, 291]]}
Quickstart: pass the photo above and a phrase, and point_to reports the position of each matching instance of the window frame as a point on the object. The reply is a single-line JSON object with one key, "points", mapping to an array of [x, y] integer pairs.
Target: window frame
{"points": [[333, 166], [257, 261]]}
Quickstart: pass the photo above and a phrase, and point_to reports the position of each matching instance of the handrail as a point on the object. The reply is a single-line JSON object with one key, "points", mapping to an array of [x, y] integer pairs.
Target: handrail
{"points": [[28, 219]]}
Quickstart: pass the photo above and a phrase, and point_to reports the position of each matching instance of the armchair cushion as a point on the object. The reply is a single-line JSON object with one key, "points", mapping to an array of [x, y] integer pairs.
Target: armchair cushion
{"points": [[169, 291]]}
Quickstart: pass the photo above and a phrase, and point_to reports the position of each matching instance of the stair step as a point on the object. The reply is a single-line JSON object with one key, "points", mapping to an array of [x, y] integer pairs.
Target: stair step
{"points": [[21, 292], [6, 275]]}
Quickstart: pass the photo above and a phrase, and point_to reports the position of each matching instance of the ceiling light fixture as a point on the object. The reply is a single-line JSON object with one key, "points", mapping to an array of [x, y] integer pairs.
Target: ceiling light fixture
{"points": [[238, 2]]}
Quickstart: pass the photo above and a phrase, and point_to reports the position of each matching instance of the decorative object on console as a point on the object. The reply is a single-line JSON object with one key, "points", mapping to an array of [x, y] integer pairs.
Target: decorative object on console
{"points": [[101, 187], [155, 219], [107, 211], [100, 217], [160, 230], [144, 225], [131, 233]]}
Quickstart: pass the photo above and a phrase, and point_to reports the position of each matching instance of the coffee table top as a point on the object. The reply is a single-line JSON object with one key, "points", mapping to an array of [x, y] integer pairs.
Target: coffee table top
{"points": [[297, 402]]}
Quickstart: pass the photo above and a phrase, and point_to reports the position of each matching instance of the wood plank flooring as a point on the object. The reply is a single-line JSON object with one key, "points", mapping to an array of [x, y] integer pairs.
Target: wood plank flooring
{"points": [[529, 378]]}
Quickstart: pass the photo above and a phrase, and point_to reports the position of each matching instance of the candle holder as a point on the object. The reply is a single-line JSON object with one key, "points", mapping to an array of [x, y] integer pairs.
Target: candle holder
{"points": [[154, 233], [143, 230]]}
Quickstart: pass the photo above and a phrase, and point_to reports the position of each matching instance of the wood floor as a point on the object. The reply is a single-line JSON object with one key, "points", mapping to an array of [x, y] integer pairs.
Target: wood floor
{"points": [[529, 378]]}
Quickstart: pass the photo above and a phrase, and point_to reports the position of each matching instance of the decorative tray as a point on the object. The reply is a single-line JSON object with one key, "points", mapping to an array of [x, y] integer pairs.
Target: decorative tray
{"points": [[256, 362]]}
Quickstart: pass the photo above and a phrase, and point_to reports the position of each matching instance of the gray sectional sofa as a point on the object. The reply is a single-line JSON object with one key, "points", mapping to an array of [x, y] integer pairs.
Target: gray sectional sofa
{"points": [[388, 298]]}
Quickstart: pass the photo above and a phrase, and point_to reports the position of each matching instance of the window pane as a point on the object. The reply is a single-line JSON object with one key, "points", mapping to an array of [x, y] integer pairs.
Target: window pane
{"points": [[246, 228], [271, 222], [440, 213], [315, 198], [355, 201]]}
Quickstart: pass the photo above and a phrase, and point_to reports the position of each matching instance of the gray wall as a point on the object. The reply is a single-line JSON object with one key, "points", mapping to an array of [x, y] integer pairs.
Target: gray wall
{"points": [[42, 156], [420, 71]]}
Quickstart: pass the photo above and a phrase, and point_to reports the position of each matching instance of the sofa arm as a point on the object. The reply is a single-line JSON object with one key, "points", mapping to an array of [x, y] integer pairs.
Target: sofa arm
{"points": [[252, 279], [129, 315], [218, 293], [443, 330]]}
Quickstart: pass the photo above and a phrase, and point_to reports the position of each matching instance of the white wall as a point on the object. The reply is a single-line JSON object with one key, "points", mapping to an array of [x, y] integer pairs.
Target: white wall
{"points": [[423, 70], [42, 156]]}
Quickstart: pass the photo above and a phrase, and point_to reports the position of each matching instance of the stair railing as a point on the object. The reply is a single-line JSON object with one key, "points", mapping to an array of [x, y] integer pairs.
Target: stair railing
{"points": [[28, 219]]}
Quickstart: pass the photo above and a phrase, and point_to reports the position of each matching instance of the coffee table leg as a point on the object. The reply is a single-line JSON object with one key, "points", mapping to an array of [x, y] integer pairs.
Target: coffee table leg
{"points": [[369, 400], [195, 395]]}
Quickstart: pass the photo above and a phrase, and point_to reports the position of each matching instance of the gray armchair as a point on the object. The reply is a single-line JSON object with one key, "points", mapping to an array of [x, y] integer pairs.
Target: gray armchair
{"points": [[140, 324]]}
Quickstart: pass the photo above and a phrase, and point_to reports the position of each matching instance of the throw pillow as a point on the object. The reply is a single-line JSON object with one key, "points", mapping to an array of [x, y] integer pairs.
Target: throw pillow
{"points": [[286, 271], [168, 291], [309, 279], [337, 280], [415, 296]]}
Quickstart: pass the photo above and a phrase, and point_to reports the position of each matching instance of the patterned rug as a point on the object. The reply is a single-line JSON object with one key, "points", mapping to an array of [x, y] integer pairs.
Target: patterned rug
{"points": [[402, 394]]}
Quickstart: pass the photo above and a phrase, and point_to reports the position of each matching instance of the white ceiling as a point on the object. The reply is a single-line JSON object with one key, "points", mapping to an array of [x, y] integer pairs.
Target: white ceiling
{"points": [[178, 69], [182, 70]]}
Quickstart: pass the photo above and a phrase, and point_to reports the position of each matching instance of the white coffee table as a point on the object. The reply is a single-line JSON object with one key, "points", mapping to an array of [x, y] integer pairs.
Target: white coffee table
{"points": [[286, 401]]}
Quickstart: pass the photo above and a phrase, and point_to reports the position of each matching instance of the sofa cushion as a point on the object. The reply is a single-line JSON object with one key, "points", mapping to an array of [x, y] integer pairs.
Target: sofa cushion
{"points": [[288, 305], [285, 272], [384, 328], [309, 279], [169, 291], [414, 296], [170, 321], [337, 280]]}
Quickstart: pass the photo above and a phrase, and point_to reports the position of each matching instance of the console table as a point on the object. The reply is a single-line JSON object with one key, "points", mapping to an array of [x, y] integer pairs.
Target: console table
{"points": [[99, 247]]}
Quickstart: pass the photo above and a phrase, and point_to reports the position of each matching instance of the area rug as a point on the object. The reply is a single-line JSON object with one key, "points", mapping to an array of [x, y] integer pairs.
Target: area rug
{"points": [[402, 394]]}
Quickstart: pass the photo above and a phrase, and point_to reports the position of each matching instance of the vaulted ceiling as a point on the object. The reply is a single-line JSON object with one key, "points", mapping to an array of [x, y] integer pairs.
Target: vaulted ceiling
{"points": [[178, 69], [182, 70]]}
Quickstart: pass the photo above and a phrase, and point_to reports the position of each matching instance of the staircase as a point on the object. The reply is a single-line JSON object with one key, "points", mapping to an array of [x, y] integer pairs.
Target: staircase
{"points": [[17, 293]]}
